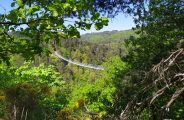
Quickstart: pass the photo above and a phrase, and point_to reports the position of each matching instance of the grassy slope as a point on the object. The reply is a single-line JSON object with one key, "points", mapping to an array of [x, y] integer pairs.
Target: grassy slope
{"points": [[108, 36]]}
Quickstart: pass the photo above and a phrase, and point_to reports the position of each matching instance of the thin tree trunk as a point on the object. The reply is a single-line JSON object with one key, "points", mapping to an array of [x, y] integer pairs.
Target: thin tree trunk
{"points": [[14, 112], [22, 114], [26, 115]]}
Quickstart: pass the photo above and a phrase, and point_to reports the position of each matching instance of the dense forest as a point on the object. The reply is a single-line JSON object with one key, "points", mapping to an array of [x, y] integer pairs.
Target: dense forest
{"points": [[48, 71]]}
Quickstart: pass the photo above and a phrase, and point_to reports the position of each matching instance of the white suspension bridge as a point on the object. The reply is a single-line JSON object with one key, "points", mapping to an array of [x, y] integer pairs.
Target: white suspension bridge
{"points": [[91, 66]]}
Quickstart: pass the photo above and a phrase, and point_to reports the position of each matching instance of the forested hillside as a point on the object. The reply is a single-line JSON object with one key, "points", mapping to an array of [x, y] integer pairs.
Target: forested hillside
{"points": [[48, 71], [87, 51], [108, 36]]}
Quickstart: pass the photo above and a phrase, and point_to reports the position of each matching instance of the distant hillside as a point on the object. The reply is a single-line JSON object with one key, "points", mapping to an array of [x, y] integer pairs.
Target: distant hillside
{"points": [[108, 36]]}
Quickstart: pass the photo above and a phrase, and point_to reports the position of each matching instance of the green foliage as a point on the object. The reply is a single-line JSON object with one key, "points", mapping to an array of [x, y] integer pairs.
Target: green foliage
{"points": [[40, 74], [42, 21], [33, 89], [159, 36], [28, 73], [97, 96], [159, 33]]}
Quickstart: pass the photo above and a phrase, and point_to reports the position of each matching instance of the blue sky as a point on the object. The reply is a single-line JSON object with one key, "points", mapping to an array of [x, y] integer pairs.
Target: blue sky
{"points": [[120, 22], [6, 4]]}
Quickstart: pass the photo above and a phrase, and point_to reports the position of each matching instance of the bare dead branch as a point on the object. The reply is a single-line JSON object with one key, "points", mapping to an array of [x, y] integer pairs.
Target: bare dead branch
{"points": [[158, 93], [174, 97], [168, 71]]}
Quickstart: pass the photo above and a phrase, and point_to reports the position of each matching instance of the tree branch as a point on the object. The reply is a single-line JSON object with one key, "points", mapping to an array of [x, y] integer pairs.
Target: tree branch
{"points": [[13, 23]]}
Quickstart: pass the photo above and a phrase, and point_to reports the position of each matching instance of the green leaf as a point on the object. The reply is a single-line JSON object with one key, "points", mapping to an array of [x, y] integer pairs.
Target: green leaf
{"points": [[104, 21], [19, 2], [98, 26], [54, 13], [22, 12], [13, 4], [66, 5], [33, 9], [95, 16], [88, 26]]}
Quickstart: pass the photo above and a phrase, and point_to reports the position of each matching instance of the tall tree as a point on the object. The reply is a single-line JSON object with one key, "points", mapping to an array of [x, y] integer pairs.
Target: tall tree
{"points": [[156, 58]]}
